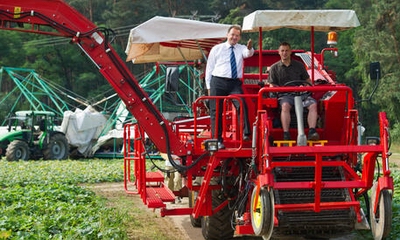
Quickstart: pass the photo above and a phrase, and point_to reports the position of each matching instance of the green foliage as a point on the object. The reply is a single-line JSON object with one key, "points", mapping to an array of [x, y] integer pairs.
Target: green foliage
{"points": [[338, 4], [295, 4], [10, 52], [395, 232], [90, 9], [69, 172], [42, 200], [378, 40], [56, 211], [8, 103]]}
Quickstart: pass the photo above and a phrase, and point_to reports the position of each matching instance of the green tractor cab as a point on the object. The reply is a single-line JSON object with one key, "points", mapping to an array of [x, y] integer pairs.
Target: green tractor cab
{"points": [[32, 135]]}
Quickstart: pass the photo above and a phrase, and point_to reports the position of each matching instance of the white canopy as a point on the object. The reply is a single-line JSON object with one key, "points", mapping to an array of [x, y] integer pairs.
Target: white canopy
{"points": [[321, 20], [173, 39]]}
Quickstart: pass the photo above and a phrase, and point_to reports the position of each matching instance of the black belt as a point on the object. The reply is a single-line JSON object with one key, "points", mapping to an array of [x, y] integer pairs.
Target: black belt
{"points": [[227, 79]]}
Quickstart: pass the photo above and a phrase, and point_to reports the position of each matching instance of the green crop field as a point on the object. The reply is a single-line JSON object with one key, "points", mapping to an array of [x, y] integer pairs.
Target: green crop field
{"points": [[43, 200], [52, 200]]}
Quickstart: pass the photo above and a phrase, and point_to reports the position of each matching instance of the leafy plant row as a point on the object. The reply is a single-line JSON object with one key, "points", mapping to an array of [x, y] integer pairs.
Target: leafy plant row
{"points": [[42, 200], [396, 206]]}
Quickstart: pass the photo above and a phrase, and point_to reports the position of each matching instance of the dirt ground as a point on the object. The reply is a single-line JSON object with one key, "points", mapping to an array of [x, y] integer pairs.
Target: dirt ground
{"points": [[395, 161], [171, 227], [153, 225], [132, 205]]}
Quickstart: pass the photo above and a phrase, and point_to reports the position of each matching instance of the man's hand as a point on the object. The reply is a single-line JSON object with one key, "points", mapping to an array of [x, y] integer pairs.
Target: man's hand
{"points": [[250, 44]]}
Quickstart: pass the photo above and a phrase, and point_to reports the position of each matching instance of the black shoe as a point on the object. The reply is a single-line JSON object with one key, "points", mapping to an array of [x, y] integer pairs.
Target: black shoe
{"points": [[313, 135], [286, 136], [221, 145]]}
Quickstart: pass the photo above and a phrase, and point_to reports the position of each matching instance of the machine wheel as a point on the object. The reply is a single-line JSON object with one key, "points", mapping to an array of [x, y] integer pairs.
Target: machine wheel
{"points": [[196, 222], [218, 226], [262, 213], [381, 220], [57, 148], [17, 150]]}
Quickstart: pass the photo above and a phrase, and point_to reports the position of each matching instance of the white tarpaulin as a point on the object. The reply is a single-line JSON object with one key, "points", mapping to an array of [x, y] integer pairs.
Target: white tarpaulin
{"points": [[82, 128], [117, 133], [173, 39], [321, 20]]}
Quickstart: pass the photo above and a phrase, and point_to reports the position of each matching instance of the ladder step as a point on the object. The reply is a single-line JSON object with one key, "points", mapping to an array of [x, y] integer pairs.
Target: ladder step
{"points": [[156, 196], [154, 176]]}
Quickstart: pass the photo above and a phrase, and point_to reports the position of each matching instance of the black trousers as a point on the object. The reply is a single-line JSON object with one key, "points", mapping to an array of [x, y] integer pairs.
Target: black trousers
{"points": [[224, 87]]}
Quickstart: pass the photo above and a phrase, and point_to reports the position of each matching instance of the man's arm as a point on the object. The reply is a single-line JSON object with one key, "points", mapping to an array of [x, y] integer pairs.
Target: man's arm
{"points": [[250, 44], [209, 68], [249, 50]]}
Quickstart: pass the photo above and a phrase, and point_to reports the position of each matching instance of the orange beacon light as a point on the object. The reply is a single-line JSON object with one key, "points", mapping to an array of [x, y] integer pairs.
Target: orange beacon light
{"points": [[332, 38]]}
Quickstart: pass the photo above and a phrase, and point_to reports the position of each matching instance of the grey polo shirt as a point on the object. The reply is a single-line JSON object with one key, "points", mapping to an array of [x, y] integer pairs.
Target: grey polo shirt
{"points": [[279, 74]]}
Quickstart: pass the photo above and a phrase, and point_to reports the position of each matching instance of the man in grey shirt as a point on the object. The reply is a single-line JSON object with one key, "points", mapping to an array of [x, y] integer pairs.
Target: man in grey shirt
{"points": [[287, 70]]}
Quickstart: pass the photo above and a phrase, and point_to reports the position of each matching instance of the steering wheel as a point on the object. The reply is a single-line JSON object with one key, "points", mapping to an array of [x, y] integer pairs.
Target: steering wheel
{"points": [[304, 94]]}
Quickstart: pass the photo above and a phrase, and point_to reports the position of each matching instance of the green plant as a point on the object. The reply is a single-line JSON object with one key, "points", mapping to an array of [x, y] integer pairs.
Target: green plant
{"points": [[42, 200]]}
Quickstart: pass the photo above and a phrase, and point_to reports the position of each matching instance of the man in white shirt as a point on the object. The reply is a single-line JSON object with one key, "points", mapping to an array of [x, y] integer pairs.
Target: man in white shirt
{"points": [[223, 77]]}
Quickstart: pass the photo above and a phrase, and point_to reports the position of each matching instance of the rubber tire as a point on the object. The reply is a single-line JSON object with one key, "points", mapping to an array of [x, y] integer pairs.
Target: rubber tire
{"points": [[262, 219], [218, 226], [196, 222], [17, 150], [57, 148], [381, 225]]}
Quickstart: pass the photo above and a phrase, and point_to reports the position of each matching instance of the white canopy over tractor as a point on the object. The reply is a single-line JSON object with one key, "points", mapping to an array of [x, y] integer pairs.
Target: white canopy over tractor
{"points": [[320, 20], [173, 39]]}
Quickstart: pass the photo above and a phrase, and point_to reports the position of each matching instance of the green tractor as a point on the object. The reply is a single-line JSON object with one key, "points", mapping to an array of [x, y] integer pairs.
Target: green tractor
{"points": [[32, 135]]}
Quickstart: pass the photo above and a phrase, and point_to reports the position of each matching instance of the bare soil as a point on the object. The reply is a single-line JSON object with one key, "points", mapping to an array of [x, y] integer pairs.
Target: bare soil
{"points": [[148, 224], [143, 223]]}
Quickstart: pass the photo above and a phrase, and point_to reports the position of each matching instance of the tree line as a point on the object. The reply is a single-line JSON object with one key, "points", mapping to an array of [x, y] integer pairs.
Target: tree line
{"points": [[376, 40]]}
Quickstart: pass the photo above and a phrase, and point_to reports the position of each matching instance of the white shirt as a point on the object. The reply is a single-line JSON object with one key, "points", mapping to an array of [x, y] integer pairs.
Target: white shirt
{"points": [[219, 65]]}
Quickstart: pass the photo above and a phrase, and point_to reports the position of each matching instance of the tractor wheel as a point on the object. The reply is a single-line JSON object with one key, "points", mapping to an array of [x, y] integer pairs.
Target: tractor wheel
{"points": [[219, 225], [381, 220], [196, 222], [17, 150], [57, 148], [262, 213]]}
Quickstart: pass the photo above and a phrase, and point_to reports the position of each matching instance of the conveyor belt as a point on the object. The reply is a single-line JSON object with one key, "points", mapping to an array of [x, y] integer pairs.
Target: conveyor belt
{"points": [[323, 224], [308, 223], [295, 174]]}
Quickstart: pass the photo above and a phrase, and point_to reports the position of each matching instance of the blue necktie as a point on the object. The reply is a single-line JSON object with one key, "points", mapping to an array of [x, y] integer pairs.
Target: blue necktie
{"points": [[233, 64]]}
